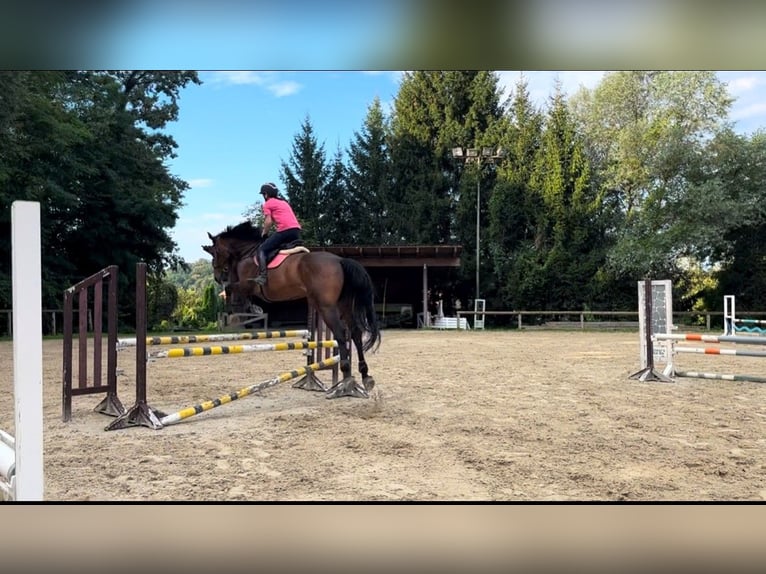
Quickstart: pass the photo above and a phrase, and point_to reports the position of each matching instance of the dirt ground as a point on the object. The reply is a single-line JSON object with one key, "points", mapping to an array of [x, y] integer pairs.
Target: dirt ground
{"points": [[455, 416]]}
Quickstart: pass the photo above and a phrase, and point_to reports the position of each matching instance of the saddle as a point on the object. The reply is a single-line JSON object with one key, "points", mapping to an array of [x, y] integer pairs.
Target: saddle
{"points": [[284, 252], [292, 244]]}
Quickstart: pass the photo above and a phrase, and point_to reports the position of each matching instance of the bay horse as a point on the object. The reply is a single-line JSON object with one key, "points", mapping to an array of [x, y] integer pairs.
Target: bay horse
{"points": [[340, 289]]}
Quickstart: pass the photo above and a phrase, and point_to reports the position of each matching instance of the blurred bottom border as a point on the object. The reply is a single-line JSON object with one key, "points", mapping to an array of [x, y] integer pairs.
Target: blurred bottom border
{"points": [[339, 537]]}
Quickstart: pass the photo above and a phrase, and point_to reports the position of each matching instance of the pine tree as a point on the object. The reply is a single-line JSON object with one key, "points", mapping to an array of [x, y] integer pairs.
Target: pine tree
{"points": [[336, 223], [369, 180], [304, 175], [514, 210], [433, 113], [565, 230]]}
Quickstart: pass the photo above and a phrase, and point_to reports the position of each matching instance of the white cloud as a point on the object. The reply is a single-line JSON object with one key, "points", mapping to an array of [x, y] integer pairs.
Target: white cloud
{"points": [[270, 81], [201, 182], [236, 77], [741, 84], [749, 111], [281, 89], [749, 108]]}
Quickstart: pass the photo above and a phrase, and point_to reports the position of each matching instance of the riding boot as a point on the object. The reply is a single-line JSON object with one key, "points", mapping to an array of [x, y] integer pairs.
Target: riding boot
{"points": [[261, 260]]}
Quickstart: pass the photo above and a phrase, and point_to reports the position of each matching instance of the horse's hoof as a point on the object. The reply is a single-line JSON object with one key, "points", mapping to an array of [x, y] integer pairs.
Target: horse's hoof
{"points": [[347, 388], [369, 383]]}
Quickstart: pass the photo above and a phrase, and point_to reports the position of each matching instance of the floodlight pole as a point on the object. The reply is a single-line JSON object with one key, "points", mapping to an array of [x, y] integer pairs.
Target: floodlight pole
{"points": [[478, 227], [475, 155]]}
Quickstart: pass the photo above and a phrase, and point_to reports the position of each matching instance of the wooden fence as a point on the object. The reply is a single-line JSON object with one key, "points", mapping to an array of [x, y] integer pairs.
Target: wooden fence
{"points": [[53, 319], [600, 319], [52, 322]]}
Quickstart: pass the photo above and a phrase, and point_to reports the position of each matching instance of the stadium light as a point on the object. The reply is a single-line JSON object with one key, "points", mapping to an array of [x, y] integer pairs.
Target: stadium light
{"points": [[480, 157]]}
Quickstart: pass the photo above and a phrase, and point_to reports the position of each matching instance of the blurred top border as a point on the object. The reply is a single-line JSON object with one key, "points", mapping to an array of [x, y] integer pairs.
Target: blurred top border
{"points": [[383, 35]]}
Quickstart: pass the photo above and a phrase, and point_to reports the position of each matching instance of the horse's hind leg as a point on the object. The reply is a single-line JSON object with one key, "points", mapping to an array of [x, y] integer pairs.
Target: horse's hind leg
{"points": [[367, 380], [348, 385]]}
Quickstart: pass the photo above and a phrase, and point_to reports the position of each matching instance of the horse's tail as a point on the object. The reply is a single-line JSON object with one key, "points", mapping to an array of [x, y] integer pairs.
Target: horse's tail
{"points": [[360, 292]]}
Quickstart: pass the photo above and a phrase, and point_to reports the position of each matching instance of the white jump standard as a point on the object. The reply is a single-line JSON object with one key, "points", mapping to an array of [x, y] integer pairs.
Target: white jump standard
{"points": [[654, 334], [21, 455], [733, 324]]}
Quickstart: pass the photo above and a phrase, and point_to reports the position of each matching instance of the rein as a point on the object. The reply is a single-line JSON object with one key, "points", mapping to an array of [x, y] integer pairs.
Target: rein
{"points": [[250, 251]]}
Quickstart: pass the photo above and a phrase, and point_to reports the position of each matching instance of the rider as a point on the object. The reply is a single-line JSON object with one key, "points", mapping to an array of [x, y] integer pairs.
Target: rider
{"points": [[276, 211]]}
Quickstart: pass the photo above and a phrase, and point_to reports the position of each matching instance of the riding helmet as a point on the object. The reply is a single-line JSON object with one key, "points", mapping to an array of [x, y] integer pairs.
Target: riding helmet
{"points": [[269, 190]]}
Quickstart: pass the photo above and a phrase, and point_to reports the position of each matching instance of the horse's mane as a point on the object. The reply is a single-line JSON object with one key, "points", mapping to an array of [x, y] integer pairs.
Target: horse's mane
{"points": [[244, 231]]}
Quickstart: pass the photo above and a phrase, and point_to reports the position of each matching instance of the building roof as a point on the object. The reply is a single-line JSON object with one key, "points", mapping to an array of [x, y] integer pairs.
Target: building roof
{"points": [[398, 255]]}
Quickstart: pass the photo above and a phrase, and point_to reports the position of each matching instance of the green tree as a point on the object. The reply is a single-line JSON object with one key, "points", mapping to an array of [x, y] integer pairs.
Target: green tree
{"points": [[130, 186], [644, 132], [421, 200], [369, 180], [304, 175], [44, 155], [565, 231], [188, 309], [721, 219], [197, 275], [337, 224], [161, 299], [514, 210], [211, 305], [433, 113], [90, 147]]}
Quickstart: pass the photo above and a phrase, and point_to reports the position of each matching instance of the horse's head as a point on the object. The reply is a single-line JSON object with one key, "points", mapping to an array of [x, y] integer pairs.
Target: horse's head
{"points": [[221, 260], [229, 246]]}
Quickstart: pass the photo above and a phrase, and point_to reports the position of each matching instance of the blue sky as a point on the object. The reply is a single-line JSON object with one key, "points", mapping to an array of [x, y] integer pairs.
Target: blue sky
{"points": [[235, 130]]}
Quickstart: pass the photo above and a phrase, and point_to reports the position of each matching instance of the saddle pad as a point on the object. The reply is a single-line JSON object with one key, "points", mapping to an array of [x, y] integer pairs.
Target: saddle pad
{"points": [[283, 254]]}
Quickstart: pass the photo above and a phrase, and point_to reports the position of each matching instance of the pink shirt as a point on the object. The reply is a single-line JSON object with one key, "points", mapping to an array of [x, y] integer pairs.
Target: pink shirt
{"points": [[282, 214]]}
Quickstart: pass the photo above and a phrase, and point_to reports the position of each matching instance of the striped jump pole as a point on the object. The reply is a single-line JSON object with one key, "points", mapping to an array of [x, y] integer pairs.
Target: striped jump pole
{"points": [[698, 337], [234, 349], [716, 376], [710, 338], [207, 405], [716, 351], [186, 339]]}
